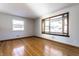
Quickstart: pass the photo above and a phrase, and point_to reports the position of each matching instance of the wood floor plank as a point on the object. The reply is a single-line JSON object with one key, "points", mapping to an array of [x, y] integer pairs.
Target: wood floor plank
{"points": [[31, 49], [1, 49]]}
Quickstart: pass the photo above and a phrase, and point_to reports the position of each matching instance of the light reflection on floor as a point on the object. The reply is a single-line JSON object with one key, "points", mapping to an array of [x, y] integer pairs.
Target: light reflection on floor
{"points": [[19, 51], [48, 50]]}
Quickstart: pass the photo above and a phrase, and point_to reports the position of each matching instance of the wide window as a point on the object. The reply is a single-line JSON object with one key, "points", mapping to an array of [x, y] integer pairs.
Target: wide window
{"points": [[18, 25], [56, 25]]}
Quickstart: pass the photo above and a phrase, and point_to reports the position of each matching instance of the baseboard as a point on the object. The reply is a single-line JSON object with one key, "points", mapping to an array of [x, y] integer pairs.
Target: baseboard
{"points": [[17, 38], [58, 42]]}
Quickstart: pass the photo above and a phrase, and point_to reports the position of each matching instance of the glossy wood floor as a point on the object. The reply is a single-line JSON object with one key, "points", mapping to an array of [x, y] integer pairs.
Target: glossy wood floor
{"points": [[34, 46]]}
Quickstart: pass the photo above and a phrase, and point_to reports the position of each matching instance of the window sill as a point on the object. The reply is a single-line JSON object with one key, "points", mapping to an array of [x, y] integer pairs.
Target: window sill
{"points": [[56, 34]]}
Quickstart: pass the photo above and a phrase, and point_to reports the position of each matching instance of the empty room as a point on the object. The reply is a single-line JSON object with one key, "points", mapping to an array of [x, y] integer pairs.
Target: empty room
{"points": [[39, 29]]}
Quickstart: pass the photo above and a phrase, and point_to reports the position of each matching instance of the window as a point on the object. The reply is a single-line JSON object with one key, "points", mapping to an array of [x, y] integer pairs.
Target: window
{"points": [[56, 25], [18, 25]]}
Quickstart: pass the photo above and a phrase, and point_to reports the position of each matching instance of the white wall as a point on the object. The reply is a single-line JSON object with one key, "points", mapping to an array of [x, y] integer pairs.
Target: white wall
{"points": [[6, 31], [73, 27]]}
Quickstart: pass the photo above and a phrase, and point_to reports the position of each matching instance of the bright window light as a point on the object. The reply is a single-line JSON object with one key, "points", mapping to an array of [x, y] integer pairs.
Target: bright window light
{"points": [[56, 25], [18, 25]]}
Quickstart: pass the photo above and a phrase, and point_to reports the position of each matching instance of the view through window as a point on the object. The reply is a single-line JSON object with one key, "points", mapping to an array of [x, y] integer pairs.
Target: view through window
{"points": [[56, 25], [18, 25]]}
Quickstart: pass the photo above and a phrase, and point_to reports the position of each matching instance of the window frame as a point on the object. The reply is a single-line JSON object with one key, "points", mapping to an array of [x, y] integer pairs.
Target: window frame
{"points": [[63, 34]]}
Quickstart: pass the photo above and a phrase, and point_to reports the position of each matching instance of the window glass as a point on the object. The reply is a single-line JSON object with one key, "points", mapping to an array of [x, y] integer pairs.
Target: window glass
{"points": [[18, 25], [56, 25]]}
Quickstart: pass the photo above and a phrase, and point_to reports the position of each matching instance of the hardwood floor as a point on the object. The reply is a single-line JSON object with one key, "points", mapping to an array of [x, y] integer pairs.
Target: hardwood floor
{"points": [[34, 46]]}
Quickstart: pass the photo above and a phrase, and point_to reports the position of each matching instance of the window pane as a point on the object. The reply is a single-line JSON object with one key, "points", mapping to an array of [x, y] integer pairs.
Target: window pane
{"points": [[56, 24], [47, 22], [43, 26], [65, 25], [18, 25], [47, 29]]}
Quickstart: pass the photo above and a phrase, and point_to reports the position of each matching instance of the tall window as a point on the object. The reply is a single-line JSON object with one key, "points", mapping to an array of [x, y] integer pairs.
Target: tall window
{"points": [[18, 25], [56, 25]]}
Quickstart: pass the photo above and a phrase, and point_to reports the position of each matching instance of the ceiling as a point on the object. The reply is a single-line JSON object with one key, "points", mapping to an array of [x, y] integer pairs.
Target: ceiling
{"points": [[32, 10]]}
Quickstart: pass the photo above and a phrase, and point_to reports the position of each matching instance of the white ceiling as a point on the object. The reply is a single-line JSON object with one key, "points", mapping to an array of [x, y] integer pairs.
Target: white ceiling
{"points": [[32, 10]]}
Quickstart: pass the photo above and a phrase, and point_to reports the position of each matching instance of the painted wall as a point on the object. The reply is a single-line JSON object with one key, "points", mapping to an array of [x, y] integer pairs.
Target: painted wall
{"points": [[6, 31], [73, 27]]}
